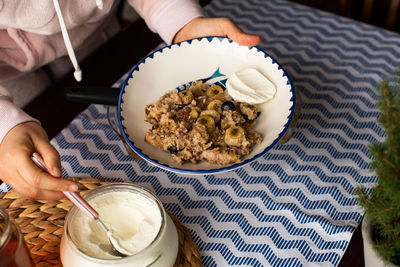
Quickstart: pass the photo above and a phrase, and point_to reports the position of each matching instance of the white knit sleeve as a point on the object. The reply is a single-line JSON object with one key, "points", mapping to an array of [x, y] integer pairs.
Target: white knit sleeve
{"points": [[10, 114], [167, 17]]}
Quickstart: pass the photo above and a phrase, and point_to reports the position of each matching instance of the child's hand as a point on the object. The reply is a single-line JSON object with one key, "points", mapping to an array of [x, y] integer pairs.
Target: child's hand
{"points": [[200, 27], [19, 171]]}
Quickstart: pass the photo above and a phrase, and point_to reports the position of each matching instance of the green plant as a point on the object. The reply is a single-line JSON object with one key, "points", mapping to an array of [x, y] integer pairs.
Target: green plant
{"points": [[382, 206]]}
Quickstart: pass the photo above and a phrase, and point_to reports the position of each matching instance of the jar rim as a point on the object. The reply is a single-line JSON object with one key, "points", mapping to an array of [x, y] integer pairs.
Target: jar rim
{"points": [[112, 188]]}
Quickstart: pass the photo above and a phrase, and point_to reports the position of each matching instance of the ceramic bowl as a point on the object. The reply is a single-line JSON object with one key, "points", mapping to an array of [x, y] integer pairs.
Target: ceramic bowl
{"points": [[208, 58]]}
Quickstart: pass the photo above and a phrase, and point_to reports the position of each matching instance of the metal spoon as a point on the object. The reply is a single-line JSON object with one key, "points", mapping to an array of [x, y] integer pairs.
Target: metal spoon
{"points": [[88, 210]]}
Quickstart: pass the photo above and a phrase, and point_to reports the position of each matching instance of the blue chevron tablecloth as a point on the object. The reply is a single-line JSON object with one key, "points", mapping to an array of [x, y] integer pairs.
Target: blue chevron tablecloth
{"points": [[295, 206]]}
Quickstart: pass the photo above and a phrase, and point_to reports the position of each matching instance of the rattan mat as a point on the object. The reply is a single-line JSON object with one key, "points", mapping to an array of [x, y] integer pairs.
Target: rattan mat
{"points": [[42, 224]]}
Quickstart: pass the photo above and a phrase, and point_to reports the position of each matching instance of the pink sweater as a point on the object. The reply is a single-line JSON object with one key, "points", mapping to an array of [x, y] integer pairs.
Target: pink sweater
{"points": [[30, 36]]}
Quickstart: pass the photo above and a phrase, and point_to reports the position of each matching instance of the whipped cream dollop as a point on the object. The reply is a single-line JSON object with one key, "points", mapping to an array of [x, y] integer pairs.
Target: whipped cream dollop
{"points": [[135, 219], [250, 86]]}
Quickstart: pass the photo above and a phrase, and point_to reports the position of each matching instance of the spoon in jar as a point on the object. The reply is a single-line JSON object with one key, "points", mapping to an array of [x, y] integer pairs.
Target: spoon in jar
{"points": [[89, 211]]}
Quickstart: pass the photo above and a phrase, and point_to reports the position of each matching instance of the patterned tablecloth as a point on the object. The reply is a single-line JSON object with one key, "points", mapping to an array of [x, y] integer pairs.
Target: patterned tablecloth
{"points": [[295, 206]]}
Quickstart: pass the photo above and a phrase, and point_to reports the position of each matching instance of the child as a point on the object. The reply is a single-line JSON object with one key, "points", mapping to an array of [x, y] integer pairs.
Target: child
{"points": [[37, 33]]}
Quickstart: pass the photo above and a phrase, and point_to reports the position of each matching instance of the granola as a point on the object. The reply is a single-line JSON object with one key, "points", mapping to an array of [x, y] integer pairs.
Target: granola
{"points": [[202, 123]]}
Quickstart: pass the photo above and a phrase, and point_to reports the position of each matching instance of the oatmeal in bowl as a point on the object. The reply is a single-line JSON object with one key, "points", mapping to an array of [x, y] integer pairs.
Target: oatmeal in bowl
{"points": [[202, 122]]}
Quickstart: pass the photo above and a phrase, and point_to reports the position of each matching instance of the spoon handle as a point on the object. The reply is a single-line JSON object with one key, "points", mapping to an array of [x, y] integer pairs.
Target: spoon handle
{"points": [[73, 196]]}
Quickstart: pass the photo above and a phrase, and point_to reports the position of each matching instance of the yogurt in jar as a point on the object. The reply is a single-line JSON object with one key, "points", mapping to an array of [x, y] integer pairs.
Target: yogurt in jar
{"points": [[135, 216]]}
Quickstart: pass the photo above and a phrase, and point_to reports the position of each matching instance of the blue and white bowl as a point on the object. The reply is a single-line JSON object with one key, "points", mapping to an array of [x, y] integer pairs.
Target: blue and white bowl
{"points": [[208, 58]]}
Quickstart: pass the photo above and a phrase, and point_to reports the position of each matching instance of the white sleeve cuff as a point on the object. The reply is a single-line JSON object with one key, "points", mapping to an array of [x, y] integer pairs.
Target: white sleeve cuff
{"points": [[172, 16], [11, 115]]}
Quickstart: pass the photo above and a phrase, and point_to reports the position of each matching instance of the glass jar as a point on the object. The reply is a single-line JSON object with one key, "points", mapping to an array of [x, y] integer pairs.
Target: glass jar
{"points": [[13, 250], [113, 200]]}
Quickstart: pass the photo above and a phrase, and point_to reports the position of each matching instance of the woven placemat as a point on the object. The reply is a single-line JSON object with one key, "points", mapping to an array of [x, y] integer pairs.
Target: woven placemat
{"points": [[42, 224]]}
